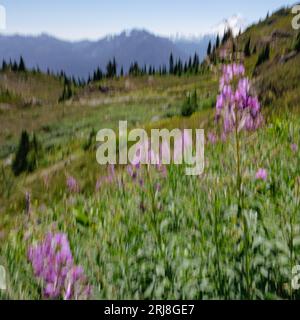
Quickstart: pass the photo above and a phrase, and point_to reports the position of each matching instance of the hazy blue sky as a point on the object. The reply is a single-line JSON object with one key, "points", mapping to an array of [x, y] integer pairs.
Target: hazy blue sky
{"points": [[78, 19]]}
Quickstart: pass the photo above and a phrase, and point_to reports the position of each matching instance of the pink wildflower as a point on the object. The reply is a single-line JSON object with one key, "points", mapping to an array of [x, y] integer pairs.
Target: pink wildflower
{"points": [[262, 174], [294, 147], [236, 105], [73, 185], [52, 262], [212, 138]]}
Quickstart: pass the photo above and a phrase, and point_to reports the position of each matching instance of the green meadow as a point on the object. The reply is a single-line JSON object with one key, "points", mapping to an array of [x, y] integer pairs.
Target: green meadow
{"points": [[155, 235]]}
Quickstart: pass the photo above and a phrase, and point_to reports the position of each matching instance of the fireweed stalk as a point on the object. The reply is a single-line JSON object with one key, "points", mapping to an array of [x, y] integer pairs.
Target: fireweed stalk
{"points": [[53, 264], [145, 180], [239, 109]]}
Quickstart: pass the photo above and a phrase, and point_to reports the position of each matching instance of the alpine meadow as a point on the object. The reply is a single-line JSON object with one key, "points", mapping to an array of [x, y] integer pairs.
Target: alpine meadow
{"points": [[74, 229]]}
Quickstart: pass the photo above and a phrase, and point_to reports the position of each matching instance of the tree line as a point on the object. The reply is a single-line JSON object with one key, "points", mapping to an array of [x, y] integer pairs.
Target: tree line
{"points": [[176, 67], [14, 65]]}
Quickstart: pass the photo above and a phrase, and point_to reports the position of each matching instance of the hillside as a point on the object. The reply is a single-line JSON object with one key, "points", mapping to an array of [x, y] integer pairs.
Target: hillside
{"points": [[277, 79], [30, 88]]}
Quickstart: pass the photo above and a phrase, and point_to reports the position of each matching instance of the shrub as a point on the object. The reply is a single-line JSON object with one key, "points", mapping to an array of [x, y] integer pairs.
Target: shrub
{"points": [[27, 154], [20, 163], [247, 49], [190, 105], [297, 44], [208, 103], [67, 91], [90, 143], [264, 55]]}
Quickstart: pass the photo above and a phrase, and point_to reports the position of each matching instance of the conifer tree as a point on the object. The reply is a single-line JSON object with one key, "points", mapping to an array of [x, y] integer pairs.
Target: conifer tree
{"points": [[227, 35], [21, 66], [196, 62], [179, 68], [15, 66], [171, 64], [190, 64], [264, 55], [67, 91], [20, 162], [218, 42], [111, 69], [114, 67], [185, 69], [247, 50], [209, 49], [4, 65], [33, 155], [134, 69]]}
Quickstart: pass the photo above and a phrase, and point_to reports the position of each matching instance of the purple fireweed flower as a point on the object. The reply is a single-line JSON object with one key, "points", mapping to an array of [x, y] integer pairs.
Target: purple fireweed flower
{"points": [[102, 181], [110, 178], [294, 147], [146, 154], [136, 174], [52, 262], [237, 106], [230, 72], [227, 92], [142, 153], [131, 171], [212, 138], [162, 169], [72, 185], [262, 174], [238, 69], [75, 284], [111, 170], [223, 137], [158, 187], [99, 184], [242, 91], [220, 101]]}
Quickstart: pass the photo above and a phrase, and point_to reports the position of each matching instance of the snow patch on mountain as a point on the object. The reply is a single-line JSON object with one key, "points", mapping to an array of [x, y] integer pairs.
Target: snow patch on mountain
{"points": [[236, 23]]}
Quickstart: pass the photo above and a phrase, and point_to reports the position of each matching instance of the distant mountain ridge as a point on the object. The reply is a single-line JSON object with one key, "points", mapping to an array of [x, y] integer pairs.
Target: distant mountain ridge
{"points": [[81, 58]]}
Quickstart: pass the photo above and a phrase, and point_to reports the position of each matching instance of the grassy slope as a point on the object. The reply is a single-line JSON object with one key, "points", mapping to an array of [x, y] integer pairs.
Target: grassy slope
{"points": [[191, 244], [277, 82], [32, 87]]}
